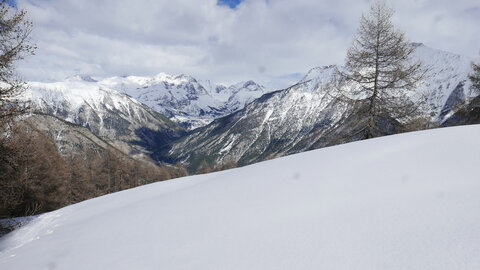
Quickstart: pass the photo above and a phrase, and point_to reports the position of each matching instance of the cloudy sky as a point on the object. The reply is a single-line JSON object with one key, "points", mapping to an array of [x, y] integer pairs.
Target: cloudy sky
{"points": [[273, 42]]}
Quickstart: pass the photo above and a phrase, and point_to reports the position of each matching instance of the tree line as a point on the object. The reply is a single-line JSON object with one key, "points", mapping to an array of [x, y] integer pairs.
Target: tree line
{"points": [[35, 177]]}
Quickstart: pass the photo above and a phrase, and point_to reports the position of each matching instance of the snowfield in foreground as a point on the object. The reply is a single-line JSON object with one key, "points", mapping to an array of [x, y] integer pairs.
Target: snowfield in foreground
{"points": [[408, 201]]}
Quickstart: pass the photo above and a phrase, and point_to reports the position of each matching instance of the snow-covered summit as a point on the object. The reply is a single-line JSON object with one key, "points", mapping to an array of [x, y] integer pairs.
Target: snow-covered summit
{"points": [[446, 81], [73, 93], [80, 78], [320, 74]]}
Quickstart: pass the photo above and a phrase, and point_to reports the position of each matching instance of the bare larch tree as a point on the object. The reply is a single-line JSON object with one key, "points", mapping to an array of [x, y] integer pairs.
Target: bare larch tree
{"points": [[380, 68], [15, 44]]}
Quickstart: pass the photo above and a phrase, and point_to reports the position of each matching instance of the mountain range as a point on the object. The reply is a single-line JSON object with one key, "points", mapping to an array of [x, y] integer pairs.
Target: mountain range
{"points": [[184, 99], [174, 119]]}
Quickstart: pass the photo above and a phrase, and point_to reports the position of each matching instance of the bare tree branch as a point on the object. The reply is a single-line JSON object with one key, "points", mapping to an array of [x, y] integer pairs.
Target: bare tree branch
{"points": [[379, 63]]}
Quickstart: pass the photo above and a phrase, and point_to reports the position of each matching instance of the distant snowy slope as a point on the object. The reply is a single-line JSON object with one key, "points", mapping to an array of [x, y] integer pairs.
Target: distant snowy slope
{"points": [[406, 201]]}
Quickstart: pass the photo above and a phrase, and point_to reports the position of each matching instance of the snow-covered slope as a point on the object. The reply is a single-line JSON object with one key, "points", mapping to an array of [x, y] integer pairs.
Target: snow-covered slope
{"points": [[407, 201], [184, 99], [446, 83], [307, 116]]}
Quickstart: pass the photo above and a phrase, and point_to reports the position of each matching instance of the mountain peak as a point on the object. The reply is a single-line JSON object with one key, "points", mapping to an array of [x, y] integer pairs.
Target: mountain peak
{"points": [[250, 83], [417, 44], [79, 77], [319, 73]]}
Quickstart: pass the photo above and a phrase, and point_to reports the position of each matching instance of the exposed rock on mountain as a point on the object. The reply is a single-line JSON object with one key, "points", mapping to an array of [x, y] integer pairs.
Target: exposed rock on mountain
{"points": [[466, 115], [69, 138]]}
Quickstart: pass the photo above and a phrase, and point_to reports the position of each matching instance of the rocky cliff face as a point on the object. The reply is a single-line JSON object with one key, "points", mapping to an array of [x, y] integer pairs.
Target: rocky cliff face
{"points": [[466, 115]]}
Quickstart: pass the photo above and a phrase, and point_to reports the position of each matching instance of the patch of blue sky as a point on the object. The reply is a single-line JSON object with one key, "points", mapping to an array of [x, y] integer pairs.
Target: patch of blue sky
{"points": [[12, 3], [230, 3]]}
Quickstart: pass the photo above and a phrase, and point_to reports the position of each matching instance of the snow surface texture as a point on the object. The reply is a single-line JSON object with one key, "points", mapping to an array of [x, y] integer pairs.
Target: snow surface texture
{"points": [[407, 201]]}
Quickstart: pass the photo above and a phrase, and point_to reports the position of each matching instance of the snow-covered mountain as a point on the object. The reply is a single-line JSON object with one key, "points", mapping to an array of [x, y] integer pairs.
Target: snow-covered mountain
{"points": [[407, 201], [111, 109], [117, 118], [279, 123], [307, 116], [184, 99], [446, 83]]}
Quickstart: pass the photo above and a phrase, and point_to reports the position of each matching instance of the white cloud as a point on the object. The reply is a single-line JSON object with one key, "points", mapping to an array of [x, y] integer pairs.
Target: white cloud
{"points": [[270, 41]]}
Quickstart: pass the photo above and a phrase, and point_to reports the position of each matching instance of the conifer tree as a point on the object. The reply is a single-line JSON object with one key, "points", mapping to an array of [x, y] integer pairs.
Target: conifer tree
{"points": [[380, 69], [475, 77]]}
